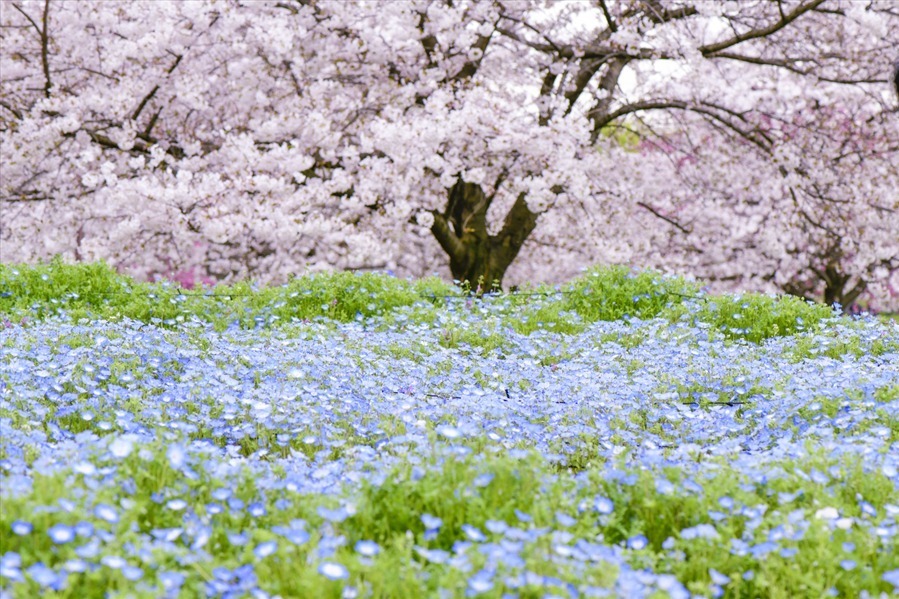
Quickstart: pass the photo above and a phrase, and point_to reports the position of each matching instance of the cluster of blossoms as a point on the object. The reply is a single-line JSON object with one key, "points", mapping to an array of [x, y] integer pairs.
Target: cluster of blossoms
{"points": [[747, 142]]}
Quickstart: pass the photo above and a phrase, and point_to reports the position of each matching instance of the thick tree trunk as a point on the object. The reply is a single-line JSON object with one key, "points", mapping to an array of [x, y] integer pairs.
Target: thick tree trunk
{"points": [[835, 288], [476, 257]]}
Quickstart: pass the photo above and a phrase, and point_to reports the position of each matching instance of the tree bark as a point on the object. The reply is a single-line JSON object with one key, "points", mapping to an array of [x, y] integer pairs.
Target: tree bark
{"points": [[476, 257]]}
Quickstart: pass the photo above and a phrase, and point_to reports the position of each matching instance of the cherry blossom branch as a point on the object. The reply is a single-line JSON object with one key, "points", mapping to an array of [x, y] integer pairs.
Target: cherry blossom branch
{"points": [[45, 42], [668, 220], [786, 19]]}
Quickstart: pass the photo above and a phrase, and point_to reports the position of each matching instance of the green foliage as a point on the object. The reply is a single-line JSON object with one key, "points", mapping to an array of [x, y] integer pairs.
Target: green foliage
{"points": [[608, 293], [97, 291], [753, 317]]}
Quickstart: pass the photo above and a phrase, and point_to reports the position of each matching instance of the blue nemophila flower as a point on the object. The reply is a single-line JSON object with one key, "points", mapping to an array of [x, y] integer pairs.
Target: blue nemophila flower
{"points": [[265, 549], [603, 505], [481, 582], [221, 494], [177, 456], [106, 513], [333, 515], [238, 539], [482, 480], [10, 566], [848, 564], [84, 529], [176, 505], [431, 522], [497, 527], [89, 550], [523, 516], [171, 581], [295, 534], [565, 520], [892, 577], [132, 573], [122, 446], [762, 549], [47, 577], [168, 535], [333, 571], [637, 542], [61, 534], [437, 556], [367, 548], [257, 509], [76, 566], [700, 531], [21, 528], [473, 533], [450, 432], [115, 562], [718, 578], [85, 468]]}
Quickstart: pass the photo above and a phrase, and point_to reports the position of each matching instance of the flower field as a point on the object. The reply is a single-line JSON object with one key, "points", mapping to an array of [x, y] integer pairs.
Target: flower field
{"points": [[362, 436]]}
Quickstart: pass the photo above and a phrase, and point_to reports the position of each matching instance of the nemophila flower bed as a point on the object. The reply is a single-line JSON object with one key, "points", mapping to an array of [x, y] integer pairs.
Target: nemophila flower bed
{"points": [[447, 447]]}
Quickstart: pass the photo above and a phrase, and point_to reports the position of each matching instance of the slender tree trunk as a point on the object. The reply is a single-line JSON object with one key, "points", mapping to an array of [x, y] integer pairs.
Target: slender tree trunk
{"points": [[476, 257]]}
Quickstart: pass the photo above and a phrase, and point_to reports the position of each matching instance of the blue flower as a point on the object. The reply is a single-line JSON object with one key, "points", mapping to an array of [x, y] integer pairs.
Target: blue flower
{"points": [[473, 533], [47, 577], [106, 513], [431, 522], [892, 577], [21, 528], [333, 571], [61, 534], [700, 531], [265, 549], [603, 505], [637, 542], [367, 548]]}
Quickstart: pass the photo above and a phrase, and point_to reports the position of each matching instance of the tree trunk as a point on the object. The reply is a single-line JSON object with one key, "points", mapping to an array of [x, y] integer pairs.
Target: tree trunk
{"points": [[476, 257], [835, 288]]}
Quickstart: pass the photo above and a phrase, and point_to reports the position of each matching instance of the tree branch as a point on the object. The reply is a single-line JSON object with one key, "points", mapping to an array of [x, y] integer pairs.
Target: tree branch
{"points": [[785, 20], [45, 41], [9, 107], [668, 220], [680, 105], [446, 237]]}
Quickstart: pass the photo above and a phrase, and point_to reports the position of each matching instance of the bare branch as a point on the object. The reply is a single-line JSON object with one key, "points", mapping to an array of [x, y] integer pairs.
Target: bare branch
{"points": [[706, 110], [668, 220], [785, 20], [9, 107]]}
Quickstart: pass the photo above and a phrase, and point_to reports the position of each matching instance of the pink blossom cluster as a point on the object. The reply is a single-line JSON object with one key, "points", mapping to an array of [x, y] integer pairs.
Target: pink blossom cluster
{"points": [[749, 143]]}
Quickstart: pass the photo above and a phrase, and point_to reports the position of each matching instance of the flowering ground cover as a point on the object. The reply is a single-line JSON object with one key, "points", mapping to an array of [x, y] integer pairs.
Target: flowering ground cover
{"points": [[356, 436]]}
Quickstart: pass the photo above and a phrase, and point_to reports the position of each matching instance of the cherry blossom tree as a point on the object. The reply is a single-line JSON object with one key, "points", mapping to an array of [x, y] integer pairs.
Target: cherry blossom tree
{"points": [[264, 139]]}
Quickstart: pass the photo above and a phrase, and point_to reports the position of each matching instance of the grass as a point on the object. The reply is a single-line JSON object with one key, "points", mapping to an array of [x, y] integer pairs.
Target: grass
{"points": [[357, 435], [96, 291]]}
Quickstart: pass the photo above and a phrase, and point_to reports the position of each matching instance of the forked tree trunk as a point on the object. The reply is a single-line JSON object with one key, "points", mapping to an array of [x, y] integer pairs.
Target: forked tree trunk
{"points": [[476, 257], [835, 288]]}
